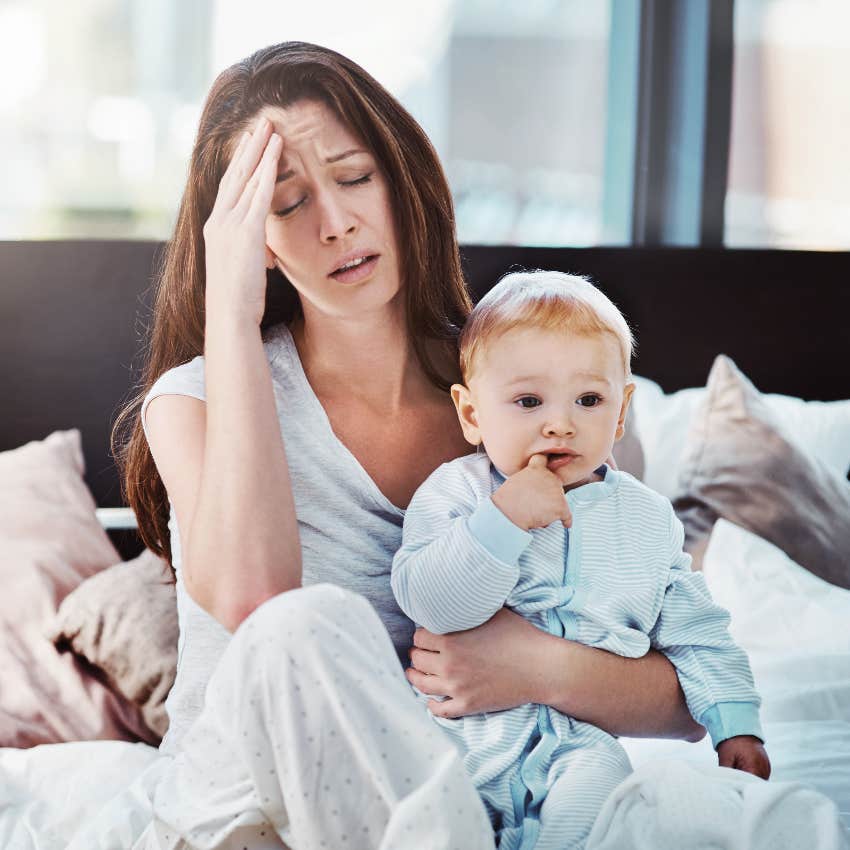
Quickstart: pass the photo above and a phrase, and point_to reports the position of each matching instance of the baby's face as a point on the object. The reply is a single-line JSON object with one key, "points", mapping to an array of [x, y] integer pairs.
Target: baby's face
{"points": [[539, 391]]}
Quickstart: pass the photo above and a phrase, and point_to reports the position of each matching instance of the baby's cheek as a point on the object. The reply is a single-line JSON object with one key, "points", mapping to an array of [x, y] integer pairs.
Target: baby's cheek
{"points": [[506, 457]]}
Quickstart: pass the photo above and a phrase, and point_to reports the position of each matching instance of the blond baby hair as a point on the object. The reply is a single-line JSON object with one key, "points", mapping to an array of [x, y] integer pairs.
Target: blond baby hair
{"points": [[548, 300]]}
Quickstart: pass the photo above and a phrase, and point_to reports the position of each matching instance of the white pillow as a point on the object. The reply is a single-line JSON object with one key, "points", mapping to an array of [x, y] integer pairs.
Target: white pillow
{"points": [[821, 428], [777, 606], [793, 625]]}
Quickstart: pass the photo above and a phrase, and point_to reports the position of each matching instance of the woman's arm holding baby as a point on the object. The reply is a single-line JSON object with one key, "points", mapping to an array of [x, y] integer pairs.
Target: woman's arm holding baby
{"points": [[508, 662]]}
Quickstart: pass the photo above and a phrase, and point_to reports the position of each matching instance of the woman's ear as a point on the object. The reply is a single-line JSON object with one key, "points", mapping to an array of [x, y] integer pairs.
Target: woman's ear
{"points": [[466, 413], [621, 422]]}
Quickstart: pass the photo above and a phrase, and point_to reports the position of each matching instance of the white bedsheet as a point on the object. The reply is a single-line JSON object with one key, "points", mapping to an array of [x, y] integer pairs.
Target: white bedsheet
{"points": [[793, 625], [670, 805], [795, 628]]}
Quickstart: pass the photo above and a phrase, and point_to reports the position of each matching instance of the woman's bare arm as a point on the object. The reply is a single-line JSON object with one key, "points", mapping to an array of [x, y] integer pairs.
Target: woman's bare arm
{"points": [[638, 697], [224, 467], [223, 463], [508, 661]]}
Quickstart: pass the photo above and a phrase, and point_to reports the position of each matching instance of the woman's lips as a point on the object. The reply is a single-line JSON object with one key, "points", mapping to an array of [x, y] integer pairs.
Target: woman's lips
{"points": [[357, 273]]}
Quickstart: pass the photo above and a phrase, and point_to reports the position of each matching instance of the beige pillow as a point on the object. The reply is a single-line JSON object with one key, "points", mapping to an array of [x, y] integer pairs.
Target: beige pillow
{"points": [[628, 452], [50, 541], [123, 622], [738, 464]]}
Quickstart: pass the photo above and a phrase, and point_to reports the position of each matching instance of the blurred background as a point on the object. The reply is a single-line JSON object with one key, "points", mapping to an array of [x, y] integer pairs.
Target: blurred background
{"points": [[559, 122]]}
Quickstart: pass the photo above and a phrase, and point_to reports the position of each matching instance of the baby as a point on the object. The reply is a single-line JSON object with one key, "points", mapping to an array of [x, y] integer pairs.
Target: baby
{"points": [[545, 359]]}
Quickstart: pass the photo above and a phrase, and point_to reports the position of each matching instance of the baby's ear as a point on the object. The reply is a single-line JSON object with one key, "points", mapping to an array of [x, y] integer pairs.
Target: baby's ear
{"points": [[466, 413], [624, 409]]}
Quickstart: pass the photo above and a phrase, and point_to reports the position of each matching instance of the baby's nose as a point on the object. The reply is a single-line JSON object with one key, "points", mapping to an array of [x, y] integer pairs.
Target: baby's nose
{"points": [[560, 426]]}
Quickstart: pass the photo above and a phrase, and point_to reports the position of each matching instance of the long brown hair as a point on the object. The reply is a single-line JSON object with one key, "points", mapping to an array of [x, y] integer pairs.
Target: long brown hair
{"points": [[437, 301]]}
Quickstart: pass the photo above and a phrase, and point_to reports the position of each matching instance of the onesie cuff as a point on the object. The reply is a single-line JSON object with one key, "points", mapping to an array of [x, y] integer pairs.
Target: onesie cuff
{"points": [[497, 534], [730, 719]]}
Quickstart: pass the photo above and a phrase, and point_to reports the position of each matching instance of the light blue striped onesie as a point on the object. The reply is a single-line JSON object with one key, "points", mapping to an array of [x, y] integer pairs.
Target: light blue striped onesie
{"points": [[617, 579]]}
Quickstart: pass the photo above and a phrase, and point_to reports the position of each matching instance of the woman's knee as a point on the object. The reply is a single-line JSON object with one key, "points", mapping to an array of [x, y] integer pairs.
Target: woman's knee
{"points": [[303, 614]]}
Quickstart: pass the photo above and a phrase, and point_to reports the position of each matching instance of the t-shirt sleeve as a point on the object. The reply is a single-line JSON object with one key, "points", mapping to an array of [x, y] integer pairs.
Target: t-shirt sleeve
{"points": [[186, 379]]}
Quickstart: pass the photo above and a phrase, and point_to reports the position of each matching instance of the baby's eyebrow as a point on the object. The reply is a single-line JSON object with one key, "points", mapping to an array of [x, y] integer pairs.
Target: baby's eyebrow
{"points": [[524, 379], [592, 376]]}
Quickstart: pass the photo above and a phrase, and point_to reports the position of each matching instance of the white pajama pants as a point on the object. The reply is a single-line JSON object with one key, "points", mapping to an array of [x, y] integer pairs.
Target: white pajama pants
{"points": [[310, 738]]}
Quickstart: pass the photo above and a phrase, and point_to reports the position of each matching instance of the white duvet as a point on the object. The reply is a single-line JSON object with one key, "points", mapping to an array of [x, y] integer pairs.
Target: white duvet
{"points": [[795, 628]]}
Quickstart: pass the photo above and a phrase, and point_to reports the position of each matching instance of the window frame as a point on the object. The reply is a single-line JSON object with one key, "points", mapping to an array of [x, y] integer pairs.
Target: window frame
{"points": [[668, 125]]}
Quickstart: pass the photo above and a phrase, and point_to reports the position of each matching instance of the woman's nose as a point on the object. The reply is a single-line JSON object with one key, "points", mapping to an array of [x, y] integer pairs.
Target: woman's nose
{"points": [[336, 221]]}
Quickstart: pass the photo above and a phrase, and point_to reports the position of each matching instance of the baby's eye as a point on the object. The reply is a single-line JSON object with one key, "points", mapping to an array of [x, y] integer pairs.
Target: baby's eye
{"points": [[590, 400], [527, 402]]}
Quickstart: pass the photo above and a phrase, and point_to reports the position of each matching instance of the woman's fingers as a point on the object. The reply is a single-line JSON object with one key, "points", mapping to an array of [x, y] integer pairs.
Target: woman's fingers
{"points": [[427, 684], [450, 708], [260, 189], [427, 640], [424, 660], [243, 164]]}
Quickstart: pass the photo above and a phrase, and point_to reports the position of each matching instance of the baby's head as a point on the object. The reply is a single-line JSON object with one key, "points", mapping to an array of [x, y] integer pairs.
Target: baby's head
{"points": [[545, 358]]}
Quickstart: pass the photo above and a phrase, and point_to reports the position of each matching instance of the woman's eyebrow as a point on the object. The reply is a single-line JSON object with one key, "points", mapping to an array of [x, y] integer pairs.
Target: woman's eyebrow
{"points": [[337, 157], [285, 175]]}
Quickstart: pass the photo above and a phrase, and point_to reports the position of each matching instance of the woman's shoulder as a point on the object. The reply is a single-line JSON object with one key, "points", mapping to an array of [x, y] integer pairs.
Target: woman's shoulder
{"points": [[184, 379], [189, 378]]}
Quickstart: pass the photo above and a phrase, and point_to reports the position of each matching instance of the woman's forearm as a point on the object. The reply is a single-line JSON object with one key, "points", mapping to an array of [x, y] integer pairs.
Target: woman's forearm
{"points": [[243, 543], [637, 697]]}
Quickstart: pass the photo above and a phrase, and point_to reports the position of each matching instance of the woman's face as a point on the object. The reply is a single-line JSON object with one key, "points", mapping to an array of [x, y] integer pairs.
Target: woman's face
{"points": [[331, 228]]}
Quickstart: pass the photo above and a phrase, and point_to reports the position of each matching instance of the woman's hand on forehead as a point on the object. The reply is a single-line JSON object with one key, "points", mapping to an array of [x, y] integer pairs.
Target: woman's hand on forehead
{"points": [[234, 234]]}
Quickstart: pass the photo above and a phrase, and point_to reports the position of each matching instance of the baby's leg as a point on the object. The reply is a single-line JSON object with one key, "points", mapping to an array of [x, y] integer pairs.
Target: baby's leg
{"points": [[309, 726], [580, 782]]}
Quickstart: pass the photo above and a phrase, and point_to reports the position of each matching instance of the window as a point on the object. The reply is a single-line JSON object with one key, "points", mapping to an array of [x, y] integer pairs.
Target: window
{"points": [[559, 122], [789, 179], [103, 99]]}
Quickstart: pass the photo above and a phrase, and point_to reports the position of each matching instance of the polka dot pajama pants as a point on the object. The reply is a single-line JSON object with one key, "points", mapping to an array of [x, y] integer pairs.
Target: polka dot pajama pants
{"points": [[312, 738]]}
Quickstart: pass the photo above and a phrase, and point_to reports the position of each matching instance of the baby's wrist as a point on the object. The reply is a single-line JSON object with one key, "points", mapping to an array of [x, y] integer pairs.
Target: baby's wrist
{"points": [[505, 506]]}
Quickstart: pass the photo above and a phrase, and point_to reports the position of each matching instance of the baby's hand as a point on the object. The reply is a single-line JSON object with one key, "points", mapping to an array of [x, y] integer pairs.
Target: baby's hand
{"points": [[744, 752], [533, 497]]}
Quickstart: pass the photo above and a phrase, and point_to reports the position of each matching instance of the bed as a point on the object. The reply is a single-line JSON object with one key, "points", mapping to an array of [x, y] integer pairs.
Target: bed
{"points": [[741, 417]]}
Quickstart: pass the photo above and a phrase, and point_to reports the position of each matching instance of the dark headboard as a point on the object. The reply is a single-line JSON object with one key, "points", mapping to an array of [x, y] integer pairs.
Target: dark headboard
{"points": [[72, 316]]}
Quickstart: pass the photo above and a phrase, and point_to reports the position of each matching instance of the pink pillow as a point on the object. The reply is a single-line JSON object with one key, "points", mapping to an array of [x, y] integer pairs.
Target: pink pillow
{"points": [[50, 541], [740, 464]]}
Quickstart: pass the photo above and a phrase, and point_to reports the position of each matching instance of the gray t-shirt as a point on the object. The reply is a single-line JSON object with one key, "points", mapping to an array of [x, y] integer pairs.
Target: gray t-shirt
{"points": [[349, 530]]}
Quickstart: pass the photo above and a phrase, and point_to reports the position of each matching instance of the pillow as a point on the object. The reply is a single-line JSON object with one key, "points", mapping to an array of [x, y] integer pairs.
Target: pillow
{"points": [[820, 428], [628, 452], [123, 622], [50, 541], [739, 464], [792, 624]]}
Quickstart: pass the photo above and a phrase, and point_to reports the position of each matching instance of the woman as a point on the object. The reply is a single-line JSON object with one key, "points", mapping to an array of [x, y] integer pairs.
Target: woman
{"points": [[315, 266]]}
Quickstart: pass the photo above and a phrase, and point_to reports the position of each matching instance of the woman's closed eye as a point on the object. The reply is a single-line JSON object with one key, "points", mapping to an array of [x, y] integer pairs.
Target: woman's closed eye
{"points": [[358, 181], [348, 184]]}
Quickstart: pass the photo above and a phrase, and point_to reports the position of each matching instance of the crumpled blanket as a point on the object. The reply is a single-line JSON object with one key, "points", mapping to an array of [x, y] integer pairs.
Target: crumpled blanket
{"points": [[678, 805]]}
